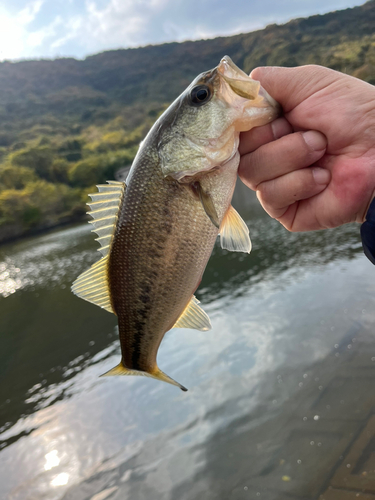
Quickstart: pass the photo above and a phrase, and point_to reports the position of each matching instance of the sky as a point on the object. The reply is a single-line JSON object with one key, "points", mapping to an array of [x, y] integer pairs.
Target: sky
{"points": [[34, 29]]}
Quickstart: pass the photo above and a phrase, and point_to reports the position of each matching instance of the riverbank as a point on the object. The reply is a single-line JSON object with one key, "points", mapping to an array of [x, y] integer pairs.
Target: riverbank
{"points": [[16, 231], [13, 232]]}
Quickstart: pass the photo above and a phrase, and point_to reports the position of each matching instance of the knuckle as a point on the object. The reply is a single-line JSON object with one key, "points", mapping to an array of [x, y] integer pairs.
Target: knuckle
{"points": [[248, 170], [263, 189]]}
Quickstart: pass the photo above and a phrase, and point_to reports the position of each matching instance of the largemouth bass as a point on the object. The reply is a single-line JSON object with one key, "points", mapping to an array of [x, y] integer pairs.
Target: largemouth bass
{"points": [[157, 232]]}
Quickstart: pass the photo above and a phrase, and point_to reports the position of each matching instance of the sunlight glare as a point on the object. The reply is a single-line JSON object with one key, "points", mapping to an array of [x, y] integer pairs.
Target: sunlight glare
{"points": [[52, 460], [61, 479]]}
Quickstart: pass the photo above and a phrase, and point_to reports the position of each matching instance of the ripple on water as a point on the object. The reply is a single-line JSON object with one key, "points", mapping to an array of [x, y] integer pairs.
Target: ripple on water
{"points": [[10, 279], [46, 261]]}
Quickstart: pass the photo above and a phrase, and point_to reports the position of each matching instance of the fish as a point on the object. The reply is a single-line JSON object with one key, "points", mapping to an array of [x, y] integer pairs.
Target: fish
{"points": [[158, 229]]}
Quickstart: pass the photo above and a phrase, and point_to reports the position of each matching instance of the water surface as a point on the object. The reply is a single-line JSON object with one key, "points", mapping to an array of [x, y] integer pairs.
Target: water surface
{"points": [[285, 318]]}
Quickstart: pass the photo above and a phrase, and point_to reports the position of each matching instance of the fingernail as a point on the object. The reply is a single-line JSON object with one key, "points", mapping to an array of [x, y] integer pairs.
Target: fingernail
{"points": [[321, 175], [315, 140]]}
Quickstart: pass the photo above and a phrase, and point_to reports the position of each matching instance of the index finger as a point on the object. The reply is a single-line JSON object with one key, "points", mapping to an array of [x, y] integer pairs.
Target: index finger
{"points": [[291, 86], [258, 136]]}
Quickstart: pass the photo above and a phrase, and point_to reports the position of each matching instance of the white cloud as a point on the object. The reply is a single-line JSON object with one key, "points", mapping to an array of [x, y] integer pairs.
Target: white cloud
{"points": [[11, 37], [16, 38], [38, 37], [29, 12], [47, 28], [75, 24], [118, 21]]}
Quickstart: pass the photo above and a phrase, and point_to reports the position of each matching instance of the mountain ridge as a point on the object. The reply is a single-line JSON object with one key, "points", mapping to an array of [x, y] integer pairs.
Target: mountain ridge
{"points": [[68, 124], [132, 74]]}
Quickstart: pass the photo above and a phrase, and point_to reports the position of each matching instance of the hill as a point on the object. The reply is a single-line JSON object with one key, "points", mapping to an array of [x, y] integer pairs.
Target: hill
{"points": [[67, 124]]}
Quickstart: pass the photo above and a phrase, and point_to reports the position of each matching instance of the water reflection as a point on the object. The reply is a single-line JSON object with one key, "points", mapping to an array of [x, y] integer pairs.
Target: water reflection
{"points": [[60, 480], [52, 460], [9, 279], [283, 320]]}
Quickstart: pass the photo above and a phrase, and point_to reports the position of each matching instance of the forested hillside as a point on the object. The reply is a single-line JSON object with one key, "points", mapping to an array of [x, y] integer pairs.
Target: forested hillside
{"points": [[66, 125]]}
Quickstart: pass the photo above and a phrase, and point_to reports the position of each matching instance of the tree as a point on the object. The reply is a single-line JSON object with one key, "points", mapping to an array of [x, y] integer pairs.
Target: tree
{"points": [[15, 177], [98, 169], [15, 208], [38, 159]]}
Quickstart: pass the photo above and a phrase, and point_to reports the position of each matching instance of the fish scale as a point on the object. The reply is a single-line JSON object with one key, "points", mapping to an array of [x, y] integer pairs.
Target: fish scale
{"points": [[167, 266]]}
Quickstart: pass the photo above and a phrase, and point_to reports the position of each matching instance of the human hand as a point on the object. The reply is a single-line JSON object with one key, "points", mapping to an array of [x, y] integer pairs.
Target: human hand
{"points": [[315, 167]]}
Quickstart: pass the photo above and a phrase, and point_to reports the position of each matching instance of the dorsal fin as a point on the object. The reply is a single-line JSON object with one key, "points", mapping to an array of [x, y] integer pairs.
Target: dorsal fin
{"points": [[234, 233], [104, 210], [92, 285], [193, 316]]}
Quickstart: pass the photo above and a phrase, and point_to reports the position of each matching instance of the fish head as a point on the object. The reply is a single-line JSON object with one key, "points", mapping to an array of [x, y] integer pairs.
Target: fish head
{"points": [[200, 130]]}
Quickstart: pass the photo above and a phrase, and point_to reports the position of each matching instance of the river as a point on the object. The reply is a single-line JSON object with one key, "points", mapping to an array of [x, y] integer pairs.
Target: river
{"points": [[279, 389]]}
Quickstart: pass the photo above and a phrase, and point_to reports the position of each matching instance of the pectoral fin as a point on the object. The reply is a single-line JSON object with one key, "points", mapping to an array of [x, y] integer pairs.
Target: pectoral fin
{"points": [[207, 204], [234, 233]]}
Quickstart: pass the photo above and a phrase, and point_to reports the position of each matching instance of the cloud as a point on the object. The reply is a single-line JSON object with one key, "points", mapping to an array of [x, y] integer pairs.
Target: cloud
{"points": [[60, 41], [13, 28], [16, 37], [37, 38], [50, 28], [119, 20], [29, 12]]}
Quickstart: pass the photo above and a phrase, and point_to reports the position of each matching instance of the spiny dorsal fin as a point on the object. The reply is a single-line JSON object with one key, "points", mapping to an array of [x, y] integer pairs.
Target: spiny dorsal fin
{"points": [[193, 316], [234, 233], [104, 210], [92, 285]]}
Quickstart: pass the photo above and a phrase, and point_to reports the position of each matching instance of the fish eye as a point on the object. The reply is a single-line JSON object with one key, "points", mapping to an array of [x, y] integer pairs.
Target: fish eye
{"points": [[200, 95]]}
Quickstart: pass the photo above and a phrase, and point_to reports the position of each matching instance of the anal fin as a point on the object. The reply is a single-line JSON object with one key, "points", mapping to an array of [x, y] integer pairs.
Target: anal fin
{"points": [[234, 233], [193, 316]]}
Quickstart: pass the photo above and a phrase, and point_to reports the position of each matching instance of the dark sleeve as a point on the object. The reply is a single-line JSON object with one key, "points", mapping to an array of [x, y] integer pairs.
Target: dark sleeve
{"points": [[368, 233]]}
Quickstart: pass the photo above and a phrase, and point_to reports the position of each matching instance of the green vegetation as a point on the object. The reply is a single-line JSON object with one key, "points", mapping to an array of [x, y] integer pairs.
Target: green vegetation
{"points": [[45, 178], [66, 125]]}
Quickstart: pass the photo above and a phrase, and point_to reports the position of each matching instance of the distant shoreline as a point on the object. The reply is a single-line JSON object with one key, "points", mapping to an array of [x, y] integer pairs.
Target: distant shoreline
{"points": [[15, 233], [12, 232]]}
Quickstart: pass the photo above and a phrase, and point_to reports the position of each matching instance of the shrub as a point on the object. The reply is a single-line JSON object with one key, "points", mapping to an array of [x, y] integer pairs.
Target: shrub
{"points": [[97, 169], [12, 177], [38, 159]]}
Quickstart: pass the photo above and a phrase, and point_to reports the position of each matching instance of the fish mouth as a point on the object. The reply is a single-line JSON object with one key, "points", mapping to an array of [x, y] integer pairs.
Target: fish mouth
{"points": [[246, 87]]}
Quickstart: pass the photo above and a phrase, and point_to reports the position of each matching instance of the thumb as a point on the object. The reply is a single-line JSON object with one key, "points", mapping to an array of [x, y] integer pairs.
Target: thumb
{"points": [[291, 86]]}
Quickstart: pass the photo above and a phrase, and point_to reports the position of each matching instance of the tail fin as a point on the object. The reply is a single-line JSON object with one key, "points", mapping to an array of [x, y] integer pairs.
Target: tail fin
{"points": [[120, 369]]}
